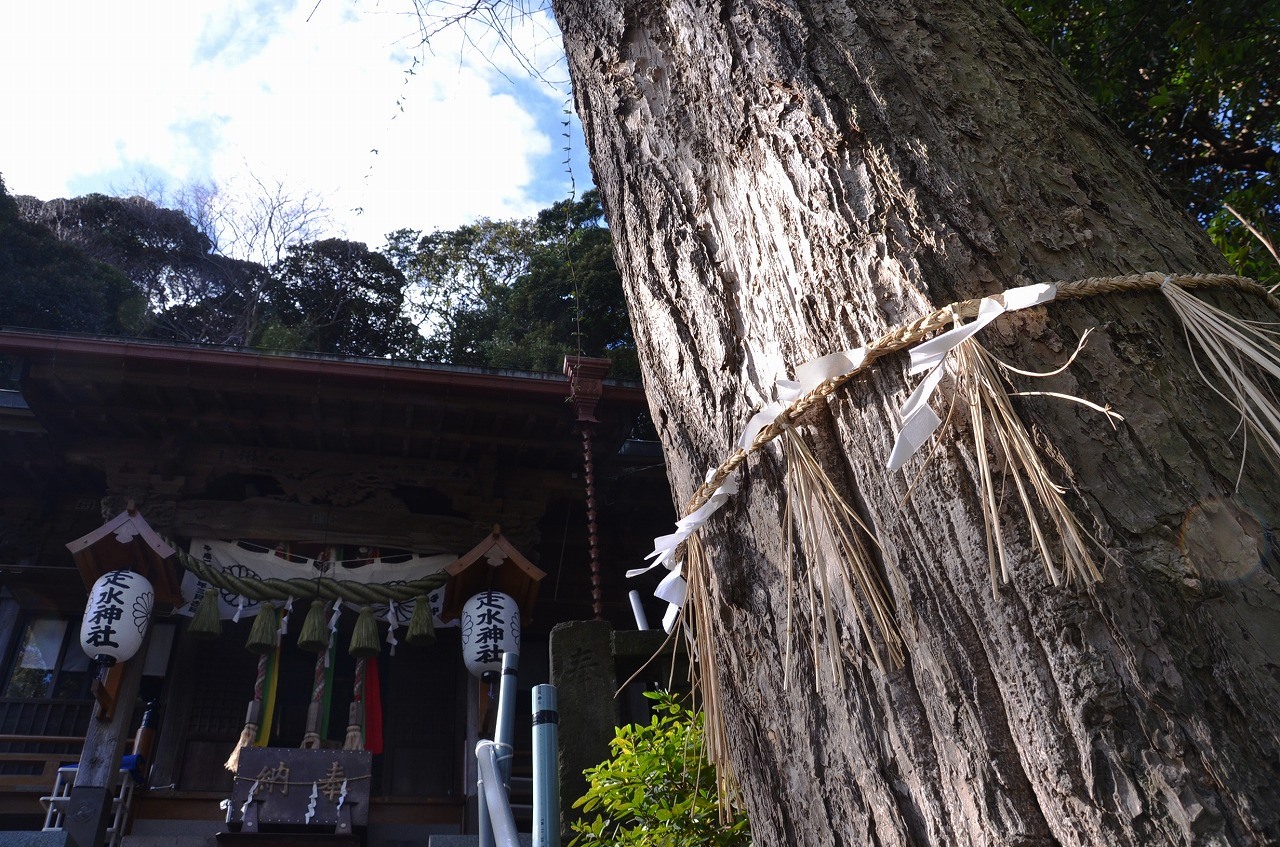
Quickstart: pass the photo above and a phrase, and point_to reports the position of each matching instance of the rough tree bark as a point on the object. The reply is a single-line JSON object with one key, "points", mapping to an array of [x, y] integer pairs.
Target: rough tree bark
{"points": [[788, 178]]}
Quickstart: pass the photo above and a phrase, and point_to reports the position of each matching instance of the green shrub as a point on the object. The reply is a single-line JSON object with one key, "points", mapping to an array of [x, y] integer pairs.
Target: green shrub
{"points": [[657, 788]]}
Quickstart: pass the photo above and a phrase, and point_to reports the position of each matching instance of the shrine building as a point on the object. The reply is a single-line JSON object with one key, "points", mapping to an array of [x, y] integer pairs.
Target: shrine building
{"points": [[320, 542]]}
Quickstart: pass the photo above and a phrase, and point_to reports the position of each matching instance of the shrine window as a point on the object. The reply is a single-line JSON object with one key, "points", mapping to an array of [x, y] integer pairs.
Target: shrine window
{"points": [[48, 662]]}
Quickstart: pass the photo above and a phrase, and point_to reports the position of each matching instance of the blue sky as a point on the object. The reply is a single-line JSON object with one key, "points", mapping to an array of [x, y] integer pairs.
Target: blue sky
{"points": [[106, 96]]}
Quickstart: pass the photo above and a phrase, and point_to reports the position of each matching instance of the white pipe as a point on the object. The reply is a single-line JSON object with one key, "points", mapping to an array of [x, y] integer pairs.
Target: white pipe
{"points": [[504, 735], [546, 778], [637, 609], [494, 797]]}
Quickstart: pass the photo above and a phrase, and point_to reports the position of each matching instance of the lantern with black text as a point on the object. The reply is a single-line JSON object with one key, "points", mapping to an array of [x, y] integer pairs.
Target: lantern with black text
{"points": [[117, 616], [490, 627]]}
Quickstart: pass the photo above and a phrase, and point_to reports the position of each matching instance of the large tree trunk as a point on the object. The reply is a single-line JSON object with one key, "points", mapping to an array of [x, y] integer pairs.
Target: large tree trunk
{"points": [[785, 179]]}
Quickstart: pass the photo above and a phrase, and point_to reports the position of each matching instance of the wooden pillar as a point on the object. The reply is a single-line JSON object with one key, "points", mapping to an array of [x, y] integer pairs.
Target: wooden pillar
{"points": [[89, 809]]}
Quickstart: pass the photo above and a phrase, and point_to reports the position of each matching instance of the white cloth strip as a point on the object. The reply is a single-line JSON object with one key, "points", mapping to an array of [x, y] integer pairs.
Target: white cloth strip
{"points": [[759, 421], [919, 421], [787, 390], [664, 546], [391, 625], [673, 587], [928, 354], [812, 374], [669, 619]]}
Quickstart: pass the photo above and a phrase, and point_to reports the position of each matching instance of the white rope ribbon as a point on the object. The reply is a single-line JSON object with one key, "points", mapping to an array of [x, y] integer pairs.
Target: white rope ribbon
{"points": [[664, 546], [919, 421], [391, 625], [284, 619]]}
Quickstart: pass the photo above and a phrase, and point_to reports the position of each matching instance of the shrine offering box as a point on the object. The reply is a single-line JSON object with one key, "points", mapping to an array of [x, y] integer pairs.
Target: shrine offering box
{"points": [[289, 787]]}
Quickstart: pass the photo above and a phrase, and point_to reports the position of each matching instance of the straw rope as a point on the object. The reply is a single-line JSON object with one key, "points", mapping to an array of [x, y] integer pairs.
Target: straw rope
{"points": [[321, 588], [907, 335], [268, 782]]}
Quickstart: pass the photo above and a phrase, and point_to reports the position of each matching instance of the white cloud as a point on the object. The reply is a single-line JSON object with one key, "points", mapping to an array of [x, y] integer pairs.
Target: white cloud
{"points": [[200, 90]]}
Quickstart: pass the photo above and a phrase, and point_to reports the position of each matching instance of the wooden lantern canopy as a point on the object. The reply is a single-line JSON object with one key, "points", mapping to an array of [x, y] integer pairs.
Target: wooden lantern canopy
{"points": [[127, 542], [492, 565]]}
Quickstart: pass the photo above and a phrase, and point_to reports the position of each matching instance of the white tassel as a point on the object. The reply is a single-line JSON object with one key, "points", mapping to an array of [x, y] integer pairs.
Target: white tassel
{"points": [[1227, 342]]}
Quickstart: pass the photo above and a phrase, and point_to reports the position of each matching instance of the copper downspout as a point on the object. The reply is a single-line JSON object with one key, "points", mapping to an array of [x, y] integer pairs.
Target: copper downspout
{"points": [[586, 384], [593, 540]]}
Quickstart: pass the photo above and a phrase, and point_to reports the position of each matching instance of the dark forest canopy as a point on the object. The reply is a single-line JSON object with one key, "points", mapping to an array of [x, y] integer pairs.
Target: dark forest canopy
{"points": [[46, 283], [1192, 85], [518, 294]]}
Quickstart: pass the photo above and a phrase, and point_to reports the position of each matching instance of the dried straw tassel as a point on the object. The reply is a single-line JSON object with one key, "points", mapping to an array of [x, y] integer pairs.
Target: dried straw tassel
{"points": [[252, 718], [206, 623], [314, 636], [818, 511], [364, 638], [265, 633], [422, 627], [705, 672], [1241, 353], [995, 424]]}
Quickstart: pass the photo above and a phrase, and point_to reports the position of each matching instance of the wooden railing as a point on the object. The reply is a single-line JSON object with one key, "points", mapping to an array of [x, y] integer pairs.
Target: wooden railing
{"points": [[36, 767], [37, 737]]}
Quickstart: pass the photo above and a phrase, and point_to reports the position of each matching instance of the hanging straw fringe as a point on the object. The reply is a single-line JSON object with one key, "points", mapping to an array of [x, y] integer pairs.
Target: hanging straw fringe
{"points": [[314, 636], [994, 423], [706, 674], [364, 638], [265, 633], [816, 507], [1241, 353], [422, 627]]}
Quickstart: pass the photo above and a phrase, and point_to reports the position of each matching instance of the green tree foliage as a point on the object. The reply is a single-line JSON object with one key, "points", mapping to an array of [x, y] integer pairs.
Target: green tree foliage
{"points": [[520, 294], [459, 281], [571, 291], [1193, 85], [194, 294], [517, 294], [46, 283], [657, 788], [337, 296]]}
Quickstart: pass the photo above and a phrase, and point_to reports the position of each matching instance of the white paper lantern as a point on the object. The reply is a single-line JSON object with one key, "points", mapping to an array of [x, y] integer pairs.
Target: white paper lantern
{"points": [[117, 616], [490, 627]]}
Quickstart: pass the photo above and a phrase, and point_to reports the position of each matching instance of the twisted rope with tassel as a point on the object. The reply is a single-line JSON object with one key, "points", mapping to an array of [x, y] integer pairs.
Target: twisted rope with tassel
{"points": [[253, 717], [354, 739], [311, 738], [907, 335]]}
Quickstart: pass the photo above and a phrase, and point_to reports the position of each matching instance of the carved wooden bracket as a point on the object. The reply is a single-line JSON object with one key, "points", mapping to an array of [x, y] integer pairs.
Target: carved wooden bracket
{"points": [[586, 384]]}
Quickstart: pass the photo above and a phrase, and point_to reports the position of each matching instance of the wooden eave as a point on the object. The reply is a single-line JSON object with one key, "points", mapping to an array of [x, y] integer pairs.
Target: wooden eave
{"points": [[471, 573], [127, 542]]}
